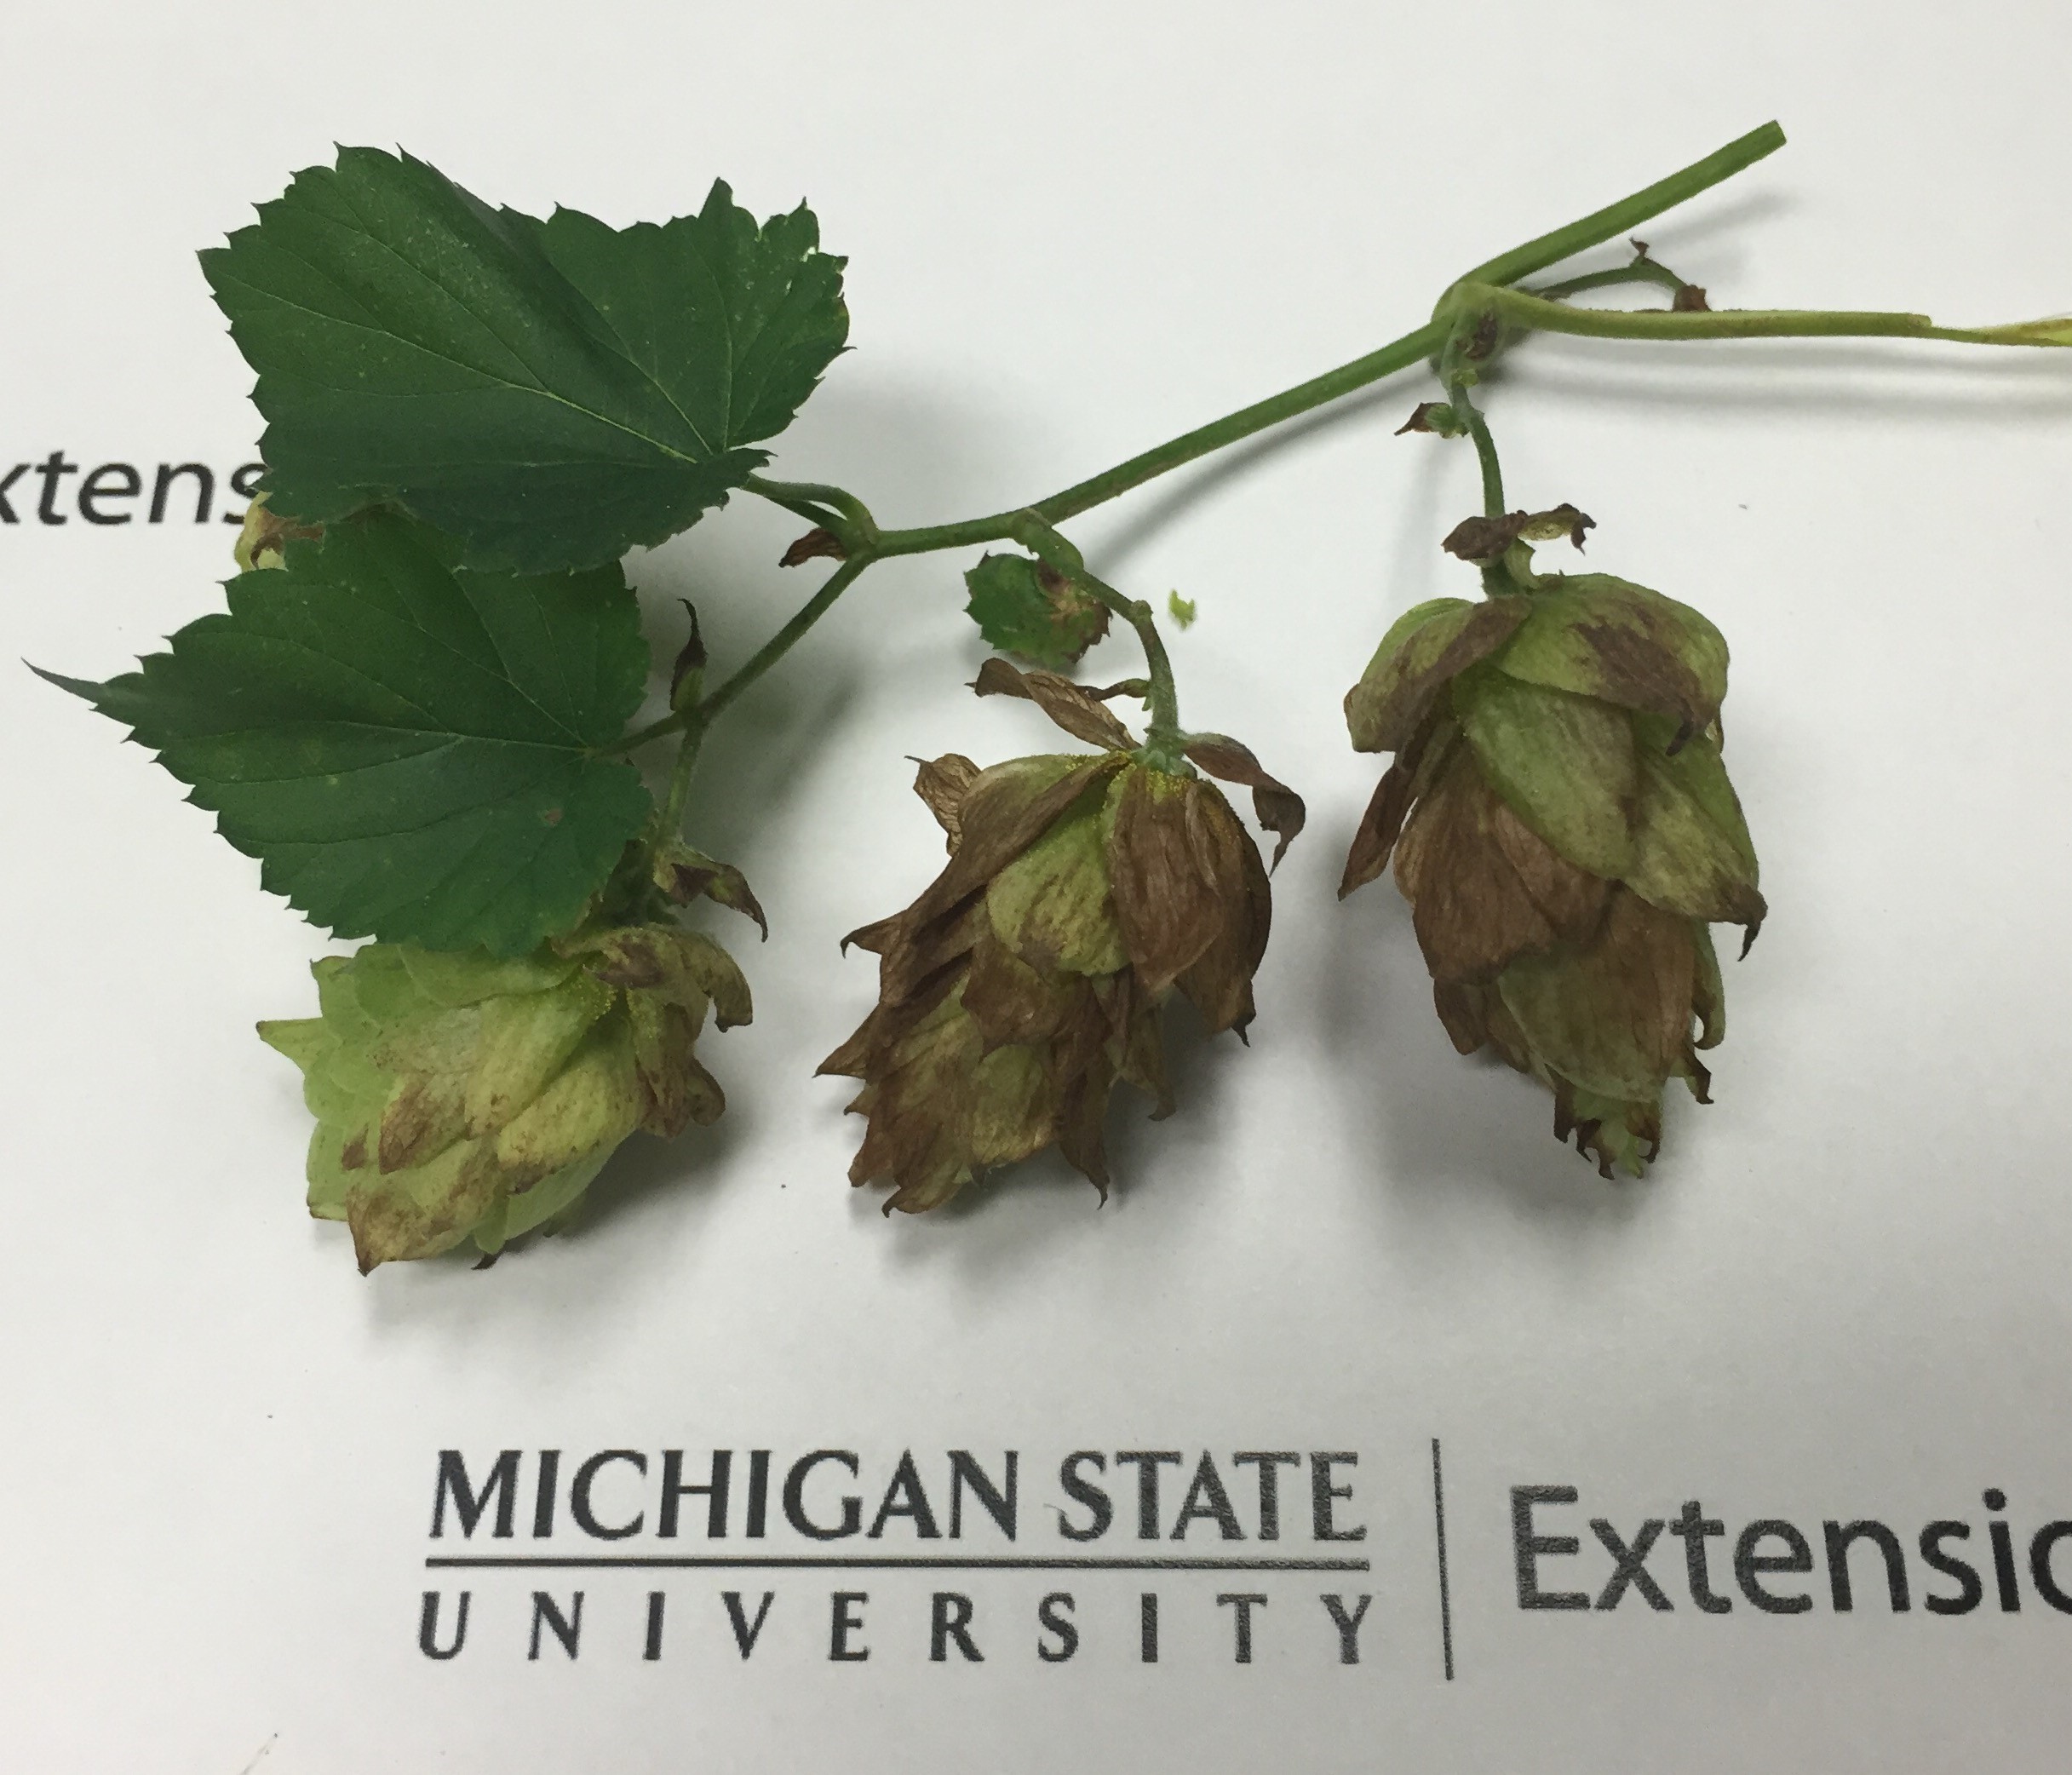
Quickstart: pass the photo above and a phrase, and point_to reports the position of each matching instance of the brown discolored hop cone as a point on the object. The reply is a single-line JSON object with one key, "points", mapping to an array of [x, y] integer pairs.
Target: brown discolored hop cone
{"points": [[1562, 823], [462, 1095], [1082, 890]]}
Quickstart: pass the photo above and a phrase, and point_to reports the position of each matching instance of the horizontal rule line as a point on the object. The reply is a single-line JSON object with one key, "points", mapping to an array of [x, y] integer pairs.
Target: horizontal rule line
{"points": [[809, 1562]]}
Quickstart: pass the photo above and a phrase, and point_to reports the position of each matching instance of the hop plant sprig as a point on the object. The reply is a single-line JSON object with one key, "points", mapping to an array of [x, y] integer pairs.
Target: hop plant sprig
{"points": [[416, 713]]}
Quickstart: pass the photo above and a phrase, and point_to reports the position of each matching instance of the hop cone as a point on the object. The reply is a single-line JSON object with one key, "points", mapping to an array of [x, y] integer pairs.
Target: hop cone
{"points": [[1562, 826], [1081, 892], [458, 1096]]}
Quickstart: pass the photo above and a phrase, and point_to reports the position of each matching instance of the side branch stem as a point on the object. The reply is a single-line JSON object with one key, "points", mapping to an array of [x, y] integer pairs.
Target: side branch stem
{"points": [[1629, 213], [1177, 453], [999, 526], [1303, 398], [681, 774], [782, 642], [1538, 314], [1485, 451]]}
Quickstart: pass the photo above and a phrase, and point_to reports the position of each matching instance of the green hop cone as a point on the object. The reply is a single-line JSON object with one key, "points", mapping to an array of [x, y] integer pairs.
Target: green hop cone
{"points": [[458, 1096], [1081, 892], [1561, 821]]}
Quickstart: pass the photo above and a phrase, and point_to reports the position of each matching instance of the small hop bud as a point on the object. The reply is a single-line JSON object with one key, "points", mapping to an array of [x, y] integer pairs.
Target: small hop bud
{"points": [[1561, 821], [818, 543], [461, 1096], [1081, 892], [687, 675], [1432, 415]]}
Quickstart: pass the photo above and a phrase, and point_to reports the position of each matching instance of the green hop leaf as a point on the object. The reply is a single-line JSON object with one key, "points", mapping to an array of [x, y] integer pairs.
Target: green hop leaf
{"points": [[408, 748], [552, 392], [1032, 611]]}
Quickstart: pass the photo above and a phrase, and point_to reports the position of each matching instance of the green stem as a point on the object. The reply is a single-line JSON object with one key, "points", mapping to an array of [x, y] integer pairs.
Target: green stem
{"points": [[1473, 340], [1484, 291], [693, 722], [1176, 452], [1303, 398], [671, 825], [821, 503], [806, 508], [1629, 213], [1538, 314], [1348, 378], [1493, 504], [642, 735], [1163, 732], [782, 642], [929, 538]]}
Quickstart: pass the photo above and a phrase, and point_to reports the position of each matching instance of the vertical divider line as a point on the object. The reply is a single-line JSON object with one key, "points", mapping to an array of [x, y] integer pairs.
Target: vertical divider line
{"points": [[1438, 1522]]}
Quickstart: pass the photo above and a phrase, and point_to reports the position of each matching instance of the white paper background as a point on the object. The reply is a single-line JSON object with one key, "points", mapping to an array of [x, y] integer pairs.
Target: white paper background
{"points": [[1075, 230]]}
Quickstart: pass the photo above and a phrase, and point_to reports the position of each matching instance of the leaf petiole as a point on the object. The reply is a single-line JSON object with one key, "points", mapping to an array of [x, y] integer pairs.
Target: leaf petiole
{"points": [[642, 735], [834, 508], [783, 641]]}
